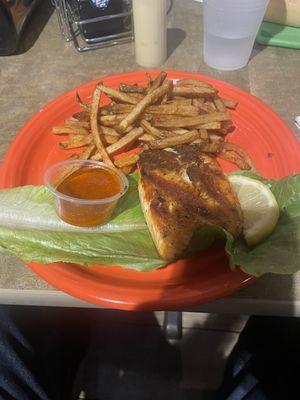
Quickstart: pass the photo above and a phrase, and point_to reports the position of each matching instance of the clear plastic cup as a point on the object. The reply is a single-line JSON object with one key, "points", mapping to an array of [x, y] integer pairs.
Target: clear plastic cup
{"points": [[79, 211], [230, 28]]}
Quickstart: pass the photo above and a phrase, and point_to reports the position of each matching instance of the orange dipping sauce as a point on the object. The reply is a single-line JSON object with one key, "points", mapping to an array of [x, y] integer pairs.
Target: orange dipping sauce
{"points": [[90, 184], [90, 189]]}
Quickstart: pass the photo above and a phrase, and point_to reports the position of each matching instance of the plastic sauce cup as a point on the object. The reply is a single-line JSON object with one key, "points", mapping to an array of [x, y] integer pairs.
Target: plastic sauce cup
{"points": [[80, 211]]}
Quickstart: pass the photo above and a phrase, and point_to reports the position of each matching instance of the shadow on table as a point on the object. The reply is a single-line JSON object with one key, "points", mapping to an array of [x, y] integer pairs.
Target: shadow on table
{"points": [[280, 10], [130, 357], [257, 48], [174, 38]]}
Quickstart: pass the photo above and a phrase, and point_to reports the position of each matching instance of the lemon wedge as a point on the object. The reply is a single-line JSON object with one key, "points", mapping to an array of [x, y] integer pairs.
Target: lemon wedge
{"points": [[259, 206]]}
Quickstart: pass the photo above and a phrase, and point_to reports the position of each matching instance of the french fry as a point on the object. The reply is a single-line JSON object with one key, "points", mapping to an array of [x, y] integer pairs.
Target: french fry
{"points": [[140, 107], [123, 144], [111, 120], [215, 126], [158, 81], [82, 116], [121, 108], [203, 134], [242, 164], [150, 129], [78, 124], [69, 130], [215, 138], [175, 108], [82, 103], [74, 157], [229, 103], [226, 127], [198, 101], [219, 105], [126, 170], [105, 110], [211, 106], [149, 80], [146, 138], [181, 100], [193, 91], [75, 141], [96, 157], [171, 109], [193, 82], [241, 152], [137, 96], [115, 94], [213, 148], [197, 141], [185, 122], [130, 127], [131, 88], [204, 109], [109, 139], [126, 141], [179, 131], [171, 133], [70, 169], [127, 160], [109, 131], [166, 97], [174, 140], [95, 127], [85, 155]]}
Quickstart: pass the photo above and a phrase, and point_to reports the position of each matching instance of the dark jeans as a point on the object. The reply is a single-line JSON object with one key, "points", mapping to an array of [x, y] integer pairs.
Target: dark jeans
{"points": [[265, 363], [40, 354]]}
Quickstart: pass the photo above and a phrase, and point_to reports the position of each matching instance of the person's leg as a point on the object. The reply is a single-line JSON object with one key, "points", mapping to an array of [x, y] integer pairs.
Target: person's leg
{"points": [[40, 351], [265, 363]]}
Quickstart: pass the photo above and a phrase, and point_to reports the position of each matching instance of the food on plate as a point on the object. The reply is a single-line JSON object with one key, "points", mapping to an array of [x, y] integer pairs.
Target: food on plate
{"points": [[163, 113], [117, 95], [171, 141], [86, 192], [259, 206], [150, 98], [165, 120], [181, 190], [96, 131]]}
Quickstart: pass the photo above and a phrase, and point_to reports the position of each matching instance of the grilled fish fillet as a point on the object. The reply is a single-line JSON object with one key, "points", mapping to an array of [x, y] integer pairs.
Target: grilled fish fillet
{"points": [[181, 190]]}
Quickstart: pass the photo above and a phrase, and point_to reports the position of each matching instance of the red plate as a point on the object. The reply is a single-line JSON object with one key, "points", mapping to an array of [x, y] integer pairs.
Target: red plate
{"points": [[203, 278]]}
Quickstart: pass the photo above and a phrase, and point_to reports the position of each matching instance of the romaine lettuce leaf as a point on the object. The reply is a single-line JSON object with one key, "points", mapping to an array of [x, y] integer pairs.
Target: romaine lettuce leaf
{"points": [[280, 252], [30, 228]]}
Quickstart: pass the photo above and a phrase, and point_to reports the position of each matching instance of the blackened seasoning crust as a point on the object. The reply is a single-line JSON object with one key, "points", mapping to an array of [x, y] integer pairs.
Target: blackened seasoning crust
{"points": [[181, 190]]}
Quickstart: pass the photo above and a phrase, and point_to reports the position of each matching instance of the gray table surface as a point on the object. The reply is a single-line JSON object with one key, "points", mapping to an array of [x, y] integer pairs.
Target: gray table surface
{"points": [[46, 66]]}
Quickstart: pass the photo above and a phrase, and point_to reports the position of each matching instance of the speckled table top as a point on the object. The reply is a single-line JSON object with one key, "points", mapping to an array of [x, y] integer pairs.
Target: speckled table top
{"points": [[46, 66]]}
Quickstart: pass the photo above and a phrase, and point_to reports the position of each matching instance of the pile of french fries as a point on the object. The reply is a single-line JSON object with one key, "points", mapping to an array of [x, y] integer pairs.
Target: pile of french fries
{"points": [[161, 115]]}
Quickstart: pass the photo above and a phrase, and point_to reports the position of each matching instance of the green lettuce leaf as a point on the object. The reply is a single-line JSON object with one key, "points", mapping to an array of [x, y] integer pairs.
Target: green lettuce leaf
{"points": [[280, 252], [30, 228]]}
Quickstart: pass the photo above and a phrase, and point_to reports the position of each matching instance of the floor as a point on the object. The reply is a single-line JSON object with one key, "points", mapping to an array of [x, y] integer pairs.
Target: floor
{"points": [[130, 358]]}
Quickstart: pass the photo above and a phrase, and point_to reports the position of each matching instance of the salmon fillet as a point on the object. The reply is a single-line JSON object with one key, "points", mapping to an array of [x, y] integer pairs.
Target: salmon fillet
{"points": [[181, 190]]}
